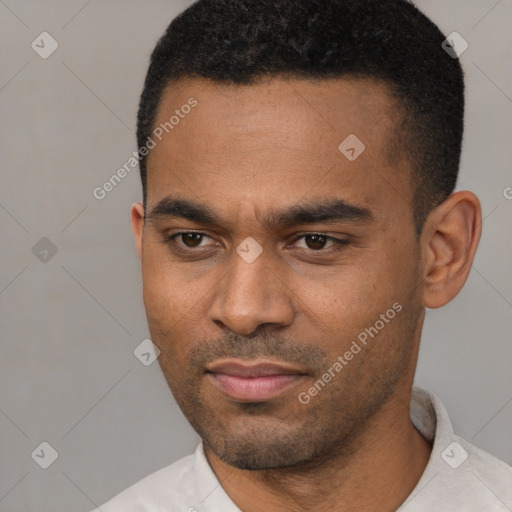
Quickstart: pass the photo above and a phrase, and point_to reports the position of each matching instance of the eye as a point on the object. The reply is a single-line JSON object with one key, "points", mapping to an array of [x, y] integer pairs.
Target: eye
{"points": [[189, 239], [317, 241]]}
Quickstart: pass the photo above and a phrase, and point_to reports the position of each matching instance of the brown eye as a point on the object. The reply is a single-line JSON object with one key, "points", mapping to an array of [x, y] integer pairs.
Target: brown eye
{"points": [[315, 241], [185, 240], [191, 239]]}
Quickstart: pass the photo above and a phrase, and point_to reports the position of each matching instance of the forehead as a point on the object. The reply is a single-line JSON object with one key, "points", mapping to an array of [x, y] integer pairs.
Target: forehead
{"points": [[276, 141]]}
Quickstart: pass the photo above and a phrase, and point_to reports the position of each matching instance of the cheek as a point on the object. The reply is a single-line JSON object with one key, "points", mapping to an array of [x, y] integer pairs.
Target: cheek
{"points": [[166, 314], [157, 289], [174, 301], [167, 295], [350, 298], [339, 306]]}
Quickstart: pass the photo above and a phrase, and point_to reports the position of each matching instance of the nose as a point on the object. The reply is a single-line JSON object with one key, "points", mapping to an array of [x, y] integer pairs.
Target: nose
{"points": [[250, 295]]}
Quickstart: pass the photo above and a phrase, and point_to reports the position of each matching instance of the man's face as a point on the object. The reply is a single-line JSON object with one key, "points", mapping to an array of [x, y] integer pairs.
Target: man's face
{"points": [[262, 159]]}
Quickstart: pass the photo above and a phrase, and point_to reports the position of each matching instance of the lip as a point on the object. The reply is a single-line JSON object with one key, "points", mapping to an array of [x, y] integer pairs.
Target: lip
{"points": [[256, 381]]}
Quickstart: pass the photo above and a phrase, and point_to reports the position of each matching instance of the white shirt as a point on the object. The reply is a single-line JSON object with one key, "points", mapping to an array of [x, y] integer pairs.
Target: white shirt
{"points": [[458, 477]]}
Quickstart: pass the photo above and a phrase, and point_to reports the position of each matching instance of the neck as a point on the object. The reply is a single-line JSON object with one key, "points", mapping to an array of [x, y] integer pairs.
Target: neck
{"points": [[376, 472]]}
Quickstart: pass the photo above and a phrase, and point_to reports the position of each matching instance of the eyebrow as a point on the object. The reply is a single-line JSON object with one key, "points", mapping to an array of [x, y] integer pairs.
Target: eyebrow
{"points": [[312, 212]]}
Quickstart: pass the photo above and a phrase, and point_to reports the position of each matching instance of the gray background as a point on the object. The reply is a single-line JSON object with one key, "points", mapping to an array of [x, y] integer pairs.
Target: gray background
{"points": [[69, 325]]}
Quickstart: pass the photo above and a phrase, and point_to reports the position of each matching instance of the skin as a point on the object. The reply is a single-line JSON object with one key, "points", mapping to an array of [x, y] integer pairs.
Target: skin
{"points": [[243, 152]]}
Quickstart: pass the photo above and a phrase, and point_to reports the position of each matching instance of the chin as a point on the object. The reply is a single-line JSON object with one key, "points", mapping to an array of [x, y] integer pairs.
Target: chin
{"points": [[262, 450]]}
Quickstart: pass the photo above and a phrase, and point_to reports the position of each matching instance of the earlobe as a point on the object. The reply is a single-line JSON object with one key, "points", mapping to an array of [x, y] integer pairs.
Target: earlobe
{"points": [[449, 241], [137, 222]]}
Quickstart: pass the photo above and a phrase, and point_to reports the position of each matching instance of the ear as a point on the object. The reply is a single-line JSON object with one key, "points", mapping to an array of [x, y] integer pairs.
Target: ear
{"points": [[449, 240], [137, 221]]}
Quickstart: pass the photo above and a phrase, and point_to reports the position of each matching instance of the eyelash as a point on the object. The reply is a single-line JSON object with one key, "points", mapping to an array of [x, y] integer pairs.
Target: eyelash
{"points": [[339, 243]]}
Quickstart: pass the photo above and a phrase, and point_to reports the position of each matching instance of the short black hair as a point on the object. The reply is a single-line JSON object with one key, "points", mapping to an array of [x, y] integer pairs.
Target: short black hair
{"points": [[241, 41]]}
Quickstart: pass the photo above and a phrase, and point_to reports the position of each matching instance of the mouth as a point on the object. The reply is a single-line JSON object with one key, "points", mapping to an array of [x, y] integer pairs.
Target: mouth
{"points": [[252, 381]]}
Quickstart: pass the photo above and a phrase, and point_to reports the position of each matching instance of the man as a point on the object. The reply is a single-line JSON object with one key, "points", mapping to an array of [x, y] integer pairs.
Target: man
{"points": [[298, 161]]}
